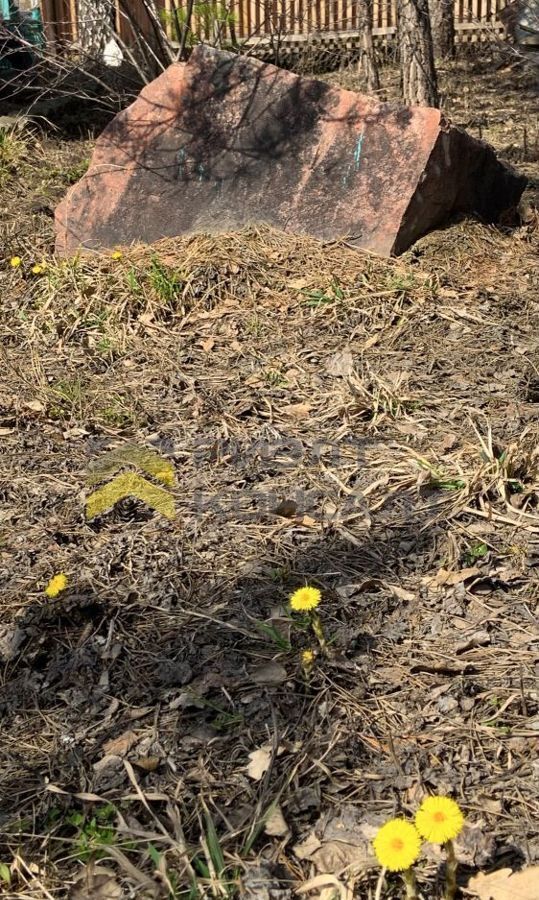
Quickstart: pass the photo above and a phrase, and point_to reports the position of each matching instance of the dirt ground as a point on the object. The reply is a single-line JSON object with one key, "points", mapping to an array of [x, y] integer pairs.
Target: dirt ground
{"points": [[365, 426]]}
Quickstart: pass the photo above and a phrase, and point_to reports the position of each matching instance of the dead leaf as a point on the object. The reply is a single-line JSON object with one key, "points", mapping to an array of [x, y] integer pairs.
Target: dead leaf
{"points": [[96, 883], [137, 712], [11, 638], [297, 410], [506, 884], [336, 856], [208, 344], [308, 522], [276, 824], [476, 844], [370, 342], [81, 795], [445, 578], [35, 405], [322, 881], [259, 764], [147, 763], [341, 364], [270, 673], [121, 745], [297, 284], [449, 442], [399, 592], [306, 848], [477, 639]]}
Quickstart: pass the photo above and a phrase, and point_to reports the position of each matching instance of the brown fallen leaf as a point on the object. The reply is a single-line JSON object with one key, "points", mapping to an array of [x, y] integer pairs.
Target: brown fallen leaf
{"points": [[121, 745], [275, 823], [297, 284], [297, 410], [506, 884], [259, 764], [147, 763], [336, 856], [322, 881], [34, 405], [306, 848], [341, 363], [478, 639], [208, 344], [308, 522], [96, 883], [399, 592], [445, 578]]}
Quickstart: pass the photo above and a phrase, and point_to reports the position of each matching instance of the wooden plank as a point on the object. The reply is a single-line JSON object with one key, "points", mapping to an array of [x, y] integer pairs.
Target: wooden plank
{"points": [[73, 20], [168, 18], [292, 14], [241, 19], [49, 20], [476, 16]]}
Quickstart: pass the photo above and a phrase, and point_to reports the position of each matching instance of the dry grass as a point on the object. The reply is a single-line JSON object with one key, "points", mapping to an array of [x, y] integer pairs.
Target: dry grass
{"points": [[365, 425]]}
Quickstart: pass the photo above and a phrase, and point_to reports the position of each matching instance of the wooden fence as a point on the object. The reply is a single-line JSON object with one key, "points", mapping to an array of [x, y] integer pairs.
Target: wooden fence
{"points": [[295, 21]]}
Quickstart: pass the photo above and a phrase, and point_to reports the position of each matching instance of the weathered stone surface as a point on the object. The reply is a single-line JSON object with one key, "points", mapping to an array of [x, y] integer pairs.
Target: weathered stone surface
{"points": [[226, 141]]}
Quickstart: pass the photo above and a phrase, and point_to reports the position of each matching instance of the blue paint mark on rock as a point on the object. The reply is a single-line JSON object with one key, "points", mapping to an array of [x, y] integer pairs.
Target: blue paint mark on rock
{"points": [[357, 159], [357, 151], [180, 162]]}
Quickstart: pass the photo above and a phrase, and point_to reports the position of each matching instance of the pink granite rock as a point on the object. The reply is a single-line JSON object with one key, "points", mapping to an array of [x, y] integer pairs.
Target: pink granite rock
{"points": [[226, 141]]}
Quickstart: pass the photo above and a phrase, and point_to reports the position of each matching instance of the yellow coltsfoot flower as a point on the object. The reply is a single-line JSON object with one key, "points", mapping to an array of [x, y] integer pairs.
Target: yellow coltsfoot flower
{"points": [[305, 599], [307, 662], [56, 585], [38, 269], [15, 262], [397, 845], [439, 819], [116, 254]]}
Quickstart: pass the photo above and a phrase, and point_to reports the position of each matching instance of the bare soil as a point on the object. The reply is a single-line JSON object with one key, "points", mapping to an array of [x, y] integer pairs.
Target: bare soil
{"points": [[362, 425]]}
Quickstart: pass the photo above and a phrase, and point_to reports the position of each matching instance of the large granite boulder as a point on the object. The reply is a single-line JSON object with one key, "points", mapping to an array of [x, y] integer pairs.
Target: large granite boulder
{"points": [[226, 141]]}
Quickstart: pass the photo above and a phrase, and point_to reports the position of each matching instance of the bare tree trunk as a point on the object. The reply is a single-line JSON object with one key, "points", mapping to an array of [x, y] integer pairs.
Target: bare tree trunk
{"points": [[418, 75], [442, 21], [368, 58], [95, 19]]}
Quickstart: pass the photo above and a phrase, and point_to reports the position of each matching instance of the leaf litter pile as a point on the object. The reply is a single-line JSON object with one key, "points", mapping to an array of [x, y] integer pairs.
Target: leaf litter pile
{"points": [[364, 426]]}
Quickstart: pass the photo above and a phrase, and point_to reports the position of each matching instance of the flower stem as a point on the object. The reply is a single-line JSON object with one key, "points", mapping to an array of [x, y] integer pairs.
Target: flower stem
{"points": [[450, 872], [411, 884], [316, 625]]}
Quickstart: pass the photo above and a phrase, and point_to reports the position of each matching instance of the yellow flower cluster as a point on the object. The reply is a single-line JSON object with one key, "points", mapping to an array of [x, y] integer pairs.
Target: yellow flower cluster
{"points": [[397, 845], [37, 269], [398, 842], [439, 820], [305, 599], [56, 585]]}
